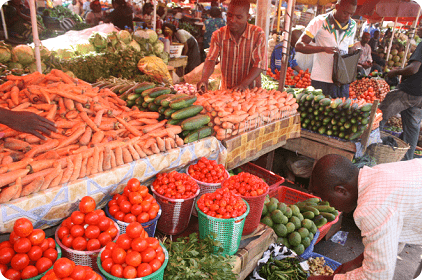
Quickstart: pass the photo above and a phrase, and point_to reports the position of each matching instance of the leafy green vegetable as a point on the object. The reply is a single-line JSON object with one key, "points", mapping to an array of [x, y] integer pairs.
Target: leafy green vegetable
{"points": [[193, 259]]}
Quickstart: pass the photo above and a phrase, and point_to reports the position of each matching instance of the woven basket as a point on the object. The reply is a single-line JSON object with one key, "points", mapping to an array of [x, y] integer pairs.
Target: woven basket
{"points": [[385, 154]]}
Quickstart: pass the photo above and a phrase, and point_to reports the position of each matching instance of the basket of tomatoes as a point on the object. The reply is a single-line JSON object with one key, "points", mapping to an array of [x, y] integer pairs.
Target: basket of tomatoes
{"points": [[224, 213], [252, 189], [208, 174], [176, 193], [66, 269], [82, 235], [134, 205], [27, 254], [134, 255]]}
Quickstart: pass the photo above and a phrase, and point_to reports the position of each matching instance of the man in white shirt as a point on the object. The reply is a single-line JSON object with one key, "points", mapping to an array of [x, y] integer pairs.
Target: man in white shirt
{"points": [[386, 200], [334, 31], [365, 59]]}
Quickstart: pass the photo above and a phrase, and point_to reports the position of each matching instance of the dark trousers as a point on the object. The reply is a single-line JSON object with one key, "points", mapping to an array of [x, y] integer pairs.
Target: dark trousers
{"points": [[331, 89]]}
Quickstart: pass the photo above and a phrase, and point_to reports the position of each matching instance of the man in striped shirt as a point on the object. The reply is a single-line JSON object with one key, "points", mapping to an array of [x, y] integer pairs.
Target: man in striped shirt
{"points": [[387, 203], [241, 48]]}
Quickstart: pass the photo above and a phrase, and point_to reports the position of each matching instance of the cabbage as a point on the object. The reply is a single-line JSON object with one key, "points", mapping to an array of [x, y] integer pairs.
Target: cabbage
{"points": [[120, 46], [98, 40], [15, 65], [65, 54], [152, 36], [44, 52], [140, 36], [33, 67], [112, 38], [125, 36], [23, 54], [5, 53], [84, 48], [135, 46], [159, 47]]}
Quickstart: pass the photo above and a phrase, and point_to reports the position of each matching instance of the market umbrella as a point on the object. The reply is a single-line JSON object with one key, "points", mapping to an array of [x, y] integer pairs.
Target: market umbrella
{"points": [[316, 2], [388, 10]]}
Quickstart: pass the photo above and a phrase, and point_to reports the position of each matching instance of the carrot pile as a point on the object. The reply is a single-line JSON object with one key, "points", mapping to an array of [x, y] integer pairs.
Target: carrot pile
{"points": [[96, 132], [233, 112]]}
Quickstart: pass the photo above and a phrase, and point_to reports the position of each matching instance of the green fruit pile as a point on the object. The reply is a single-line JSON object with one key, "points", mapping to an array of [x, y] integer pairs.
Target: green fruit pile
{"points": [[296, 224]]}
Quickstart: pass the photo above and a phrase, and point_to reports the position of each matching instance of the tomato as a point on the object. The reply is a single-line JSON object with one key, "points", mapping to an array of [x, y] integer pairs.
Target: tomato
{"points": [[63, 267], [103, 223], [77, 231], [13, 237], [62, 232], [125, 206], [23, 245], [68, 223], [107, 264], [129, 272], [92, 232], [161, 257], [136, 209], [23, 227], [51, 254], [116, 270], [118, 255], [87, 204], [155, 265], [91, 218], [67, 241], [148, 255], [5, 244], [36, 253], [133, 230], [119, 215], [144, 270], [112, 231], [6, 255], [143, 191], [79, 243], [143, 217], [19, 261], [29, 272], [112, 203], [100, 213], [104, 238], [153, 242], [113, 210], [135, 197], [111, 246], [3, 269], [139, 244], [124, 241], [77, 217], [12, 274], [78, 273], [93, 244], [133, 258], [129, 218], [51, 243], [134, 185], [37, 236], [92, 275], [122, 198], [105, 254]]}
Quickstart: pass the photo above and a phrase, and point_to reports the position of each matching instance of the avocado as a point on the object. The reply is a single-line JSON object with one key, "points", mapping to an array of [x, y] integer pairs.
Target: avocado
{"points": [[280, 230], [295, 238]]}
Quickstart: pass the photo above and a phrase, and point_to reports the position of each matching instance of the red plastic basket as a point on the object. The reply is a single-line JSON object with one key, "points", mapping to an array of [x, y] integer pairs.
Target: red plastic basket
{"points": [[175, 215], [273, 180], [85, 258], [256, 204], [326, 228]]}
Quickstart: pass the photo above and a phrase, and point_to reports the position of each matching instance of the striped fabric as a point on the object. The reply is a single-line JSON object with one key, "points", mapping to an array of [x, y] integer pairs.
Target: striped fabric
{"points": [[238, 58], [389, 211]]}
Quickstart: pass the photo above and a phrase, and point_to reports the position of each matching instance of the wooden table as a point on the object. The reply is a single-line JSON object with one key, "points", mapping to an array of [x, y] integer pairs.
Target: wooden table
{"points": [[179, 63]]}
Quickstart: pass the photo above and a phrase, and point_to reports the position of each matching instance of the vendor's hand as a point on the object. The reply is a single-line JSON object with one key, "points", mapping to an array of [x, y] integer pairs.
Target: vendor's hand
{"points": [[320, 278], [330, 50], [29, 122], [346, 267], [392, 73], [240, 88], [202, 87]]}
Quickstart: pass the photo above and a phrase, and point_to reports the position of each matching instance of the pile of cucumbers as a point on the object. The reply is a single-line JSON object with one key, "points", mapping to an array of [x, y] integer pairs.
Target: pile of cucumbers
{"points": [[333, 117], [178, 108]]}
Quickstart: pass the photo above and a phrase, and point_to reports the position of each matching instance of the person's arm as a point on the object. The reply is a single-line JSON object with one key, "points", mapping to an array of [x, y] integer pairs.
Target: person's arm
{"points": [[22, 15], [185, 48], [252, 75], [303, 46], [409, 70], [297, 68], [209, 65], [27, 122]]}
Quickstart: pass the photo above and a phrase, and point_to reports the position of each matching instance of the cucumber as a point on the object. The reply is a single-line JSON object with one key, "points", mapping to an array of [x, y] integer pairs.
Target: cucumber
{"points": [[174, 122], [318, 98], [153, 107], [168, 112], [155, 92], [334, 103], [330, 217], [309, 208], [130, 103], [320, 221], [198, 134], [313, 200], [145, 104], [196, 122], [366, 108], [161, 109], [144, 86], [355, 135], [183, 102], [124, 89], [347, 103], [139, 101], [187, 112], [133, 96], [310, 97], [324, 208], [166, 101], [157, 100]]}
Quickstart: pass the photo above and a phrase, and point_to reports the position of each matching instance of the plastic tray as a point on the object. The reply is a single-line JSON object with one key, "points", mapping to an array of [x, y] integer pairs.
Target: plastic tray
{"points": [[331, 263], [273, 180], [326, 228]]}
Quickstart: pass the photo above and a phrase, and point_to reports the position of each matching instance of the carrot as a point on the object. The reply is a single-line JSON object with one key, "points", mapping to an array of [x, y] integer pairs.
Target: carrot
{"points": [[127, 157], [130, 128], [97, 137], [113, 159], [101, 161], [88, 121], [147, 121], [173, 131], [62, 108], [65, 78], [77, 167], [139, 151], [152, 127], [96, 159], [10, 177], [7, 85], [32, 187], [147, 151], [72, 115], [17, 145], [65, 123], [68, 171], [75, 136], [107, 159], [161, 144], [18, 183], [172, 143], [49, 145], [155, 149], [49, 178], [89, 166], [14, 95], [167, 144], [56, 181], [39, 165], [30, 177], [133, 152], [69, 104], [234, 118], [149, 142], [78, 98], [52, 113], [24, 105], [86, 137], [7, 193], [98, 117], [179, 141]]}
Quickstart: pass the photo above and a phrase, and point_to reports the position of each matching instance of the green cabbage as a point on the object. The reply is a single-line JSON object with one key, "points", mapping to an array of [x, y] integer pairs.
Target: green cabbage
{"points": [[44, 52], [112, 38], [5, 54], [33, 67], [125, 36], [135, 46], [152, 36], [158, 47], [140, 36], [15, 65], [98, 40], [23, 54]]}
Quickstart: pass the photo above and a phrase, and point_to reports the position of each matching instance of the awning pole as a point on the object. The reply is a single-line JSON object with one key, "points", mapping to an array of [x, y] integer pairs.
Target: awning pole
{"points": [[278, 16], [35, 37], [288, 23], [412, 32], [4, 24], [391, 40]]}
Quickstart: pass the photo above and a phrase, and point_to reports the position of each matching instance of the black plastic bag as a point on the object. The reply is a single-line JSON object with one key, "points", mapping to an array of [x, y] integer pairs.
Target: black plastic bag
{"points": [[345, 67]]}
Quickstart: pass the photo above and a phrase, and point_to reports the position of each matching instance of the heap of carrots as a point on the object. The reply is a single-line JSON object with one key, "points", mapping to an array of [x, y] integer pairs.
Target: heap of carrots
{"points": [[96, 132], [233, 112]]}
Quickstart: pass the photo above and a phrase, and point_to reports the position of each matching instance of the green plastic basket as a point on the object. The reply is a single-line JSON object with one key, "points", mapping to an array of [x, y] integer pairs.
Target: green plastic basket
{"points": [[59, 255], [228, 231], [158, 275]]}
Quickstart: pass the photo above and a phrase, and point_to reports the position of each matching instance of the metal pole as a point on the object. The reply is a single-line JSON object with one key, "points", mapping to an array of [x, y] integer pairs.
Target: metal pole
{"points": [[411, 36], [288, 22], [391, 40], [278, 16], [35, 35], [4, 24]]}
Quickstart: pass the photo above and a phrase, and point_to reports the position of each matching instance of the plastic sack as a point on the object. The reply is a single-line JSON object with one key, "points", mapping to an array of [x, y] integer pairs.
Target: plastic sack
{"points": [[156, 68], [345, 67], [301, 166], [195, 76]]}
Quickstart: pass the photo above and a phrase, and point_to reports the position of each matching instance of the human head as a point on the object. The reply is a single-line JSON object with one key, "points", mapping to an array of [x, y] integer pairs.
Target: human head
{"points": [[238, 15], [95, 6], [376, 34], [147, 9], [335, 179], [215, 12], [118, 3], [365, 38], [344, 10], [168, 29], [296, 33]]}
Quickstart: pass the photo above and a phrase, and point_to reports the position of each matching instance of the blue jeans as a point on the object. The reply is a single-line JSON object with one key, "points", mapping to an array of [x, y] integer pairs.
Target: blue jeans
{"points": [[331, 89], [410, 109]]}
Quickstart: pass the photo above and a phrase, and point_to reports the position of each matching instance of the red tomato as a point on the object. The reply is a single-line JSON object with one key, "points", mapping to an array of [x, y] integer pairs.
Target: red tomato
{"points": [[12, 274], [77, 231], [112, 231], [125, 206], [112, 203], [3, 269], [161, 257], [153, 242], [124, 241], [144, 270], [19, 261], [119, 215], [68, 223], [143, 191], [13, 237], [6, 244], [135, 197], [133, 230], [77, 217], [152, 213], [92, 275], [148, 255], [23, 227], [66, 241], [78, 273], [116, 270], [122, 198], [37, 236], [111, 246], [104, 238], [87, 204], [105, 254], [51, 243], [143, 217], [103, 223], [63, 267], [139, 244], [62, 232], [79, 243], [113, 210], [23, 245], [91, 218], [92, 231], [100, 213], [29, 272], [133, 258], [129, 272], [129, 218], [118, 255], [134, 185], [107, 264], [126, 192], [51, 254], [6, 255], [136, 209], [155, 265], [93, 244]]}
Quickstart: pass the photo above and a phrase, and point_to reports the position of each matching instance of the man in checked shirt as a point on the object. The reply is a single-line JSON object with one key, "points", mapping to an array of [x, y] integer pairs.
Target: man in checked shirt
{"points": [[242, 49], [386, 200]]}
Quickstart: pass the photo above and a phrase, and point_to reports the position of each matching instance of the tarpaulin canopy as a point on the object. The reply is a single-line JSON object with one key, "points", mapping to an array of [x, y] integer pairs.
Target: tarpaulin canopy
{"points": [[315, 2], [388, 10]]}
